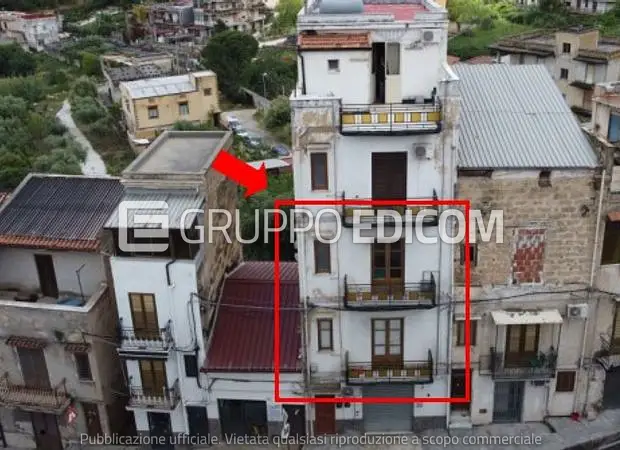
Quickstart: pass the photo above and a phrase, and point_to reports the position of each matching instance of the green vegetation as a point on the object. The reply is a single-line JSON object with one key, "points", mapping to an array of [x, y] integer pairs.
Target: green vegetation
{"points": [[99, 125], [475, 42], [277, 119], [285, 17], [273, 72]]}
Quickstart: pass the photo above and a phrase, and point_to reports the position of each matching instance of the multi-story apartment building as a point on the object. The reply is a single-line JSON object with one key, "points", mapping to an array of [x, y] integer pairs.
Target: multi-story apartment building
{"points": [[60, 373], [536, 318], [577, 58], [373, 118], [36, 30], [165, 292], [605, 130], [152, 105]]}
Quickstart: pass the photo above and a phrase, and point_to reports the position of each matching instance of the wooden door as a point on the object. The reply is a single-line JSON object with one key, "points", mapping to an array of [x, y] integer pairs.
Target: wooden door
{"points": [[325, 417], [47, 275], [387, 344], [389, 176], [388, 275], [459, 389], [93, 423], [34, 368], [46, 434], [153, 374], [144, 316], [521, 345]]}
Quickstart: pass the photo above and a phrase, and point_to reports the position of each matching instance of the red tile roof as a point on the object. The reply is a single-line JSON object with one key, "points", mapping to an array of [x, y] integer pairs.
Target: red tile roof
{"points": [[50, 244], [330, 41], [243, 336], [401, 13]]}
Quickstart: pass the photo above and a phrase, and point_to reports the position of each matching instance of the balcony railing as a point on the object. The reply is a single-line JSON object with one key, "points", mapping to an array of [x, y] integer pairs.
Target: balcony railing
{"points": [[423, 117], [144, 341], [405, 213], [539, 367], [53, 400], [420, 372], [390, 296], [164, 399]]}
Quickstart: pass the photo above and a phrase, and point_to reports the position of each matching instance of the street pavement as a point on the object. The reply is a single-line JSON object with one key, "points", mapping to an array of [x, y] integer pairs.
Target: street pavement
{"points": [[246, 117]]}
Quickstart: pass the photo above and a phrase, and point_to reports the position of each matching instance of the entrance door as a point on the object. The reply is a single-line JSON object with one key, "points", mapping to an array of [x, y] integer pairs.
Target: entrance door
{"points": [[197, 421], [521, 345], [93, 423], [508, 401], [46, 433], [388, 262], [459, 389], [159, 426], [47, 275], [34, 368], [378, 70], [296, 419], [387, 348], [388, 417], [153, 376], [243, 417], [325, 417]]}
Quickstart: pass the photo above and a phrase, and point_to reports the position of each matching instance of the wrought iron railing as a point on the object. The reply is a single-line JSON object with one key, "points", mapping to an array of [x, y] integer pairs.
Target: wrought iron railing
{"points": [[518, 367], [420, 372], [415, 117], [422, 295], [33, 398], [148, 398], [141, 339]]}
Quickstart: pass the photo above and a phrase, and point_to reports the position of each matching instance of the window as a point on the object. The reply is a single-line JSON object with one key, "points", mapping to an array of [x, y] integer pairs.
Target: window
{"points": [[564, 74], [318, 171], [322, 257], [183, 109], [565, 382], [387, 338], [521, 344], [82, 364], [333, 65], [460, 333], [191, 366], [153, 112], [473, 254], [594, 6], [392, 59], [206, 91], [544, 179], [326, 334], [565, 47], [153, 376], [613, 135], [611, 243], [144, 316]]}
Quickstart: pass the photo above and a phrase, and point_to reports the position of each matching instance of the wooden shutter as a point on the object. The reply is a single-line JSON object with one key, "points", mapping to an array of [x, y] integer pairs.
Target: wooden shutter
{"points": [[389, 176]]}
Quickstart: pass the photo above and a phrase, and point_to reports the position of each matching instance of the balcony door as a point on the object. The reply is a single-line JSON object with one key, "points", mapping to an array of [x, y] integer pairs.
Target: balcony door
{"points": [[521, 345], [388, 263], [387, 344], [144, 316], [389, 176], [153, 375], [34, 367]]}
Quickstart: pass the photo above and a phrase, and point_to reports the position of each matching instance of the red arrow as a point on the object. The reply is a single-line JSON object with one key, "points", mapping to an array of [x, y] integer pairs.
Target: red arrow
{"points": [[253, 180]]}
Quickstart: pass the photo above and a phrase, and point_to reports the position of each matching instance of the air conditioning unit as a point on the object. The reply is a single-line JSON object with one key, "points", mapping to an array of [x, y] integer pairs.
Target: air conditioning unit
{"points": [[430, 37], [423, 152], [577, 311]]}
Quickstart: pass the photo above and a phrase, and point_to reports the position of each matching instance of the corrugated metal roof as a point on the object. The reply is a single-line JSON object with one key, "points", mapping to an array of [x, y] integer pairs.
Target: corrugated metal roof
{"points": [[244, 333], [58, 212], [515, 117], [157, 87], [147, 204]]}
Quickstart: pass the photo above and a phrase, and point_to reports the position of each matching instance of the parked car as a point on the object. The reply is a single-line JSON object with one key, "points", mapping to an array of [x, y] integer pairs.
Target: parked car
{"points": [[254, 140], [280, 150], [230, 121], [242, 132]]}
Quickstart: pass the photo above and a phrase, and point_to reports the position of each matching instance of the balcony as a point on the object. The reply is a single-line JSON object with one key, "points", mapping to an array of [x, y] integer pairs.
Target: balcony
{"points": [[141, 343], [377, 214], [423, 117], [361, 373], [372, 297], [539, 367], [53, 400], [164, 400]]}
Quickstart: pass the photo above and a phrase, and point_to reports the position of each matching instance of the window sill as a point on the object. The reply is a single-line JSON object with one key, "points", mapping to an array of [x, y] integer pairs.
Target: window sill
{"points": [[85, 381]]}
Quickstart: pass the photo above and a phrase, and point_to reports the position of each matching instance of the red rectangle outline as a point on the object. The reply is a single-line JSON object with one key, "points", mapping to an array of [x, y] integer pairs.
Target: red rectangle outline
{"points": [[466, 204]]}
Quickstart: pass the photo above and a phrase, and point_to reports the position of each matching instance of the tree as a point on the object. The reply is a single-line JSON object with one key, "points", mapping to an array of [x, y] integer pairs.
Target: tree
{"points": [[473, 12], [219, 27], [274, 70], [278, 114], [15, 61], [228, 54], [286, 16], [89, 64]]}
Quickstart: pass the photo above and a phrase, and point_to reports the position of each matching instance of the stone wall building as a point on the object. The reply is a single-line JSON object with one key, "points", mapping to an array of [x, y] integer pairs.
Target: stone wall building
{"points": [[535, 320]]}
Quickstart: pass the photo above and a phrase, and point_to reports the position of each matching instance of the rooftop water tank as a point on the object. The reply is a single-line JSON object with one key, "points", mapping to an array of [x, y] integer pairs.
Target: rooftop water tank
{"points": [[341, 7]]}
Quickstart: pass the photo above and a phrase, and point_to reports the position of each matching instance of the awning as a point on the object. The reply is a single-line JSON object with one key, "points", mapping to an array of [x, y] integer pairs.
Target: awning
{"points": [[548, 316], [614, 216], [77, 347]]}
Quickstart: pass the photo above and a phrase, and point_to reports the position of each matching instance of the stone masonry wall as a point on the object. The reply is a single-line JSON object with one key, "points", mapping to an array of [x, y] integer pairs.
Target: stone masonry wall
{"points": [[548, 231]]}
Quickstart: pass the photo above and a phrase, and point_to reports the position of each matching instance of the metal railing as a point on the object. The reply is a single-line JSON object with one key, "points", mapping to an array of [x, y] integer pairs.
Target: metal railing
{"points": [[33, 398], [408, 118], [420, 372], [140, 339], [164, 398], [523, 367], [422, 295]]}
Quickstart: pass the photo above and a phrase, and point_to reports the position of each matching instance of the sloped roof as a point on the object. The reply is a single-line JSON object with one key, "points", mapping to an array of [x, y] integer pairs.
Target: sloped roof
{"points": [[514, 117]]}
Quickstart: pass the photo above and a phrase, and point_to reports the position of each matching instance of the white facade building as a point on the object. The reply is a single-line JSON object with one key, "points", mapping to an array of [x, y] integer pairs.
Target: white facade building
{"points": [[34, 29], [373, 117]]}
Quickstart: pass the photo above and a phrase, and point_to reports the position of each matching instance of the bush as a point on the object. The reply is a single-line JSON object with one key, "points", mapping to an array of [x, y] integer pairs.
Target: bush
{"points": [[84, 87], [279, 114], [87, 110]]}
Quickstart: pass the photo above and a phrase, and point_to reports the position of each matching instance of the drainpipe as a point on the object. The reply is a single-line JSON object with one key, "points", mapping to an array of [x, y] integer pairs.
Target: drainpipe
{"points": [[168, 264], [303, 72], [301, 257], [591, 286], [79, 280]]}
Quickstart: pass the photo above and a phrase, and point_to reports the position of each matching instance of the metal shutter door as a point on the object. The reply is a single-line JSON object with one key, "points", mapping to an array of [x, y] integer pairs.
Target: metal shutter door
{"points": [[388, 417]]}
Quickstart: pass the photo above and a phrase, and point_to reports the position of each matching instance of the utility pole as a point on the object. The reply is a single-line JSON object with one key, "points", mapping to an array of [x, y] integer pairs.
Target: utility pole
{"points": [[264, 85]]}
